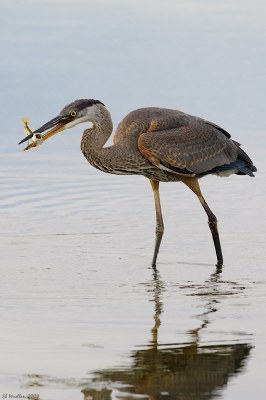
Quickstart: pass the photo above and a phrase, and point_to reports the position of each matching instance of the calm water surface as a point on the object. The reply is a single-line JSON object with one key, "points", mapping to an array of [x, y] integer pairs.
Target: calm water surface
{"points": [[83, 315]]}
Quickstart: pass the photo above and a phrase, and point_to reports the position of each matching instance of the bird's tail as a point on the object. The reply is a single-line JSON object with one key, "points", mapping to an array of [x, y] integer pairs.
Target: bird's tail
{"points": [[247, 170], [248, 167]]}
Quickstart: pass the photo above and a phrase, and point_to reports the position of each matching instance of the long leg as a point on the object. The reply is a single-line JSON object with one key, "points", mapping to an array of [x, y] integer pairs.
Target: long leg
{"points": [[159, 220], [193, 184]]}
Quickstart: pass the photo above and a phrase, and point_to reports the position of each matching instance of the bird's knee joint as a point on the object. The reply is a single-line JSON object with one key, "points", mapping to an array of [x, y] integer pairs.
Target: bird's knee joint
{"points": [[213, 223], [159, 229]]}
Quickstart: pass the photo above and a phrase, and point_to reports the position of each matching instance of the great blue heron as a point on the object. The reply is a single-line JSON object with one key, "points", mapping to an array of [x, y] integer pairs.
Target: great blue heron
{"points": [[162, 144]]}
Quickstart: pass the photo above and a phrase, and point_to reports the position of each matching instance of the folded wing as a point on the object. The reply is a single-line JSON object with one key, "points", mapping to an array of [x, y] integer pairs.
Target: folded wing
{"points": [[194, 149]]}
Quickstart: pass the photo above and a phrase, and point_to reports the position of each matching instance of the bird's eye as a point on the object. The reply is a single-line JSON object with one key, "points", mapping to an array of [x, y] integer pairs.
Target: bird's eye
{"points": [[73, 113]]}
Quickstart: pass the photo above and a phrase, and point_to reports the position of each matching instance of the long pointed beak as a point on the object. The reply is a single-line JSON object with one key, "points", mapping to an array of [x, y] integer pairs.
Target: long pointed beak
{"points": [[57, 124]]}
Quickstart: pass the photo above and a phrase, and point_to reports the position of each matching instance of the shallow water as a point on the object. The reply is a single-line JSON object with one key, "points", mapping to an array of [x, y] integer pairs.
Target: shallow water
{"points": [[83, 315]]}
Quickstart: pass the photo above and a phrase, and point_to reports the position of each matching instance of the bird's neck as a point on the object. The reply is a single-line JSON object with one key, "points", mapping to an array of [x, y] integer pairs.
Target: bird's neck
{"points": [[94, 139]]}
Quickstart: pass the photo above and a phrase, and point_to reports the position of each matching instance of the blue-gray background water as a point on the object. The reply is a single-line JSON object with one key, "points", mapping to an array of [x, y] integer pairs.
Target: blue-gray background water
{"points": [[83, 315]]}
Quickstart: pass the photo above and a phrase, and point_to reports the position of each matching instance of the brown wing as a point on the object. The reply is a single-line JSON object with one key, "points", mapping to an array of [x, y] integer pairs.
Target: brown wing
{"points": [[192, 149]]}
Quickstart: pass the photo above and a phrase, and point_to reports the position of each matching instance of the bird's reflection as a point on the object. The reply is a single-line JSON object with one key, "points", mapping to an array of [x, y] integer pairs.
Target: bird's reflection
{"points": [[181, 371]]}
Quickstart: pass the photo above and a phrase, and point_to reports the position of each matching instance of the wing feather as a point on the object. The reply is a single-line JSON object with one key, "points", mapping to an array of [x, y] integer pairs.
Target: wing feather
{"points": [[195, 148]]}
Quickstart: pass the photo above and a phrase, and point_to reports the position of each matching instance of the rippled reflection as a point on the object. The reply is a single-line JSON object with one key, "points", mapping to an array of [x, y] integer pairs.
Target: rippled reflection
{"points": [[173, 371]]}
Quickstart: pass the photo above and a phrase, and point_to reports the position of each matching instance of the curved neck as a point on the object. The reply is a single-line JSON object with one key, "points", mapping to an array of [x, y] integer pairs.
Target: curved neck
{"points": [[102, 127], [122, 158], [94, 139]]}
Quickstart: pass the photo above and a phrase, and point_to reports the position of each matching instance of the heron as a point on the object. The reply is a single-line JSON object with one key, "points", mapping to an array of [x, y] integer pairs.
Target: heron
{"points": [[163, 145]]}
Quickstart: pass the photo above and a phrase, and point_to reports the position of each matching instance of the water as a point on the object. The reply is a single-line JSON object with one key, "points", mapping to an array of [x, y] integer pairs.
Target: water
{"points": [[83, 315]]}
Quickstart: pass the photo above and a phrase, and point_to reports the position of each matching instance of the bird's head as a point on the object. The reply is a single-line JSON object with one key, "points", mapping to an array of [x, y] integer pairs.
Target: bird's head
{"points": [[78, 111]]}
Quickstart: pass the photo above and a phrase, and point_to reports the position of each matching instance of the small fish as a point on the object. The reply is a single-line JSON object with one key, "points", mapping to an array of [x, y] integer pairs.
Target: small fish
{"points": [[26, 121], [36, 139]]}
